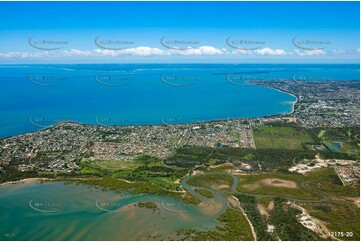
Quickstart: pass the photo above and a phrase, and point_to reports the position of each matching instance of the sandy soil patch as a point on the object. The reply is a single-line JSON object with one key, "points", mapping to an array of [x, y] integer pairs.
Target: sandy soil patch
{"points": [[318, 163], [227, 167], [219, 187], [233, 201], [271, 205], [265, 210], [221, 165], [355, 200], [196, 172], [312, 223], [272, 182], [262, 210]]}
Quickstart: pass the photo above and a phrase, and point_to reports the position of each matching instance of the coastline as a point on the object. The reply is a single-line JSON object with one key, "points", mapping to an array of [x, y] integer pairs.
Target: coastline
{"points": [[279, 90], [23, 181], [190, 123]]}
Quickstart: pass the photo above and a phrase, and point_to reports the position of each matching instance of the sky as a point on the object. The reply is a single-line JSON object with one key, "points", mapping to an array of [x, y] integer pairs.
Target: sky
{"points": [[179, 32]]}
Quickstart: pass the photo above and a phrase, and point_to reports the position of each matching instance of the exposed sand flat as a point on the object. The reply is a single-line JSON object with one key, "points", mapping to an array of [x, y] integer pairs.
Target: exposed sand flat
{"points": [[210, 208], [272, 182], [185, 216]]}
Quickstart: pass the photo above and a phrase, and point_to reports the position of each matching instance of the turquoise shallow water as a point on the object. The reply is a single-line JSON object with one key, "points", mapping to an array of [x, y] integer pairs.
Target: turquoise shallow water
{"points": [[36, 96], [54, 211]]}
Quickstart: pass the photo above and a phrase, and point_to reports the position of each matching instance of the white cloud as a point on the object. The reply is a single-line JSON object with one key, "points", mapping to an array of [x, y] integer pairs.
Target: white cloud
{"points": [[262, 52], [338, 52], [71, 52], [269, 51], [138, 51], [241, 52], [203, 50], [24, 55], [149, 51], [309, 52], [142, 51]]}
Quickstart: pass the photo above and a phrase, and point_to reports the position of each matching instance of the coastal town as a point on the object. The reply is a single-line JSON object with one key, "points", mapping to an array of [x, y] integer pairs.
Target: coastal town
{"points": [[59, 147], [321, 104]]}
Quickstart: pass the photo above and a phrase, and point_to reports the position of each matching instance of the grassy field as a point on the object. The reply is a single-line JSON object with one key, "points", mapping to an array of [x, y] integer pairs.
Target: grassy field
{"points": [[321, 133], [269, 137], [119, 164]]}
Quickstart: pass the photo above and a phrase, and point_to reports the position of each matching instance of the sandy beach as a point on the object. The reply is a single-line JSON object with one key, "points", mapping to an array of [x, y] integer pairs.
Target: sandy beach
{"points": [[26, 180]]}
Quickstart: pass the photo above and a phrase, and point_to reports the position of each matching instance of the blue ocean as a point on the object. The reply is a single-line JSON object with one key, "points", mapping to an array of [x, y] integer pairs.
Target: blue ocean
{"points": [[33, 97]]}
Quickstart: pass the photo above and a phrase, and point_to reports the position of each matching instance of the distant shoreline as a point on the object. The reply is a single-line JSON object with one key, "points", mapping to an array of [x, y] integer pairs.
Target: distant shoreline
{"points": [[279, 90], [190, 123], [356, 63]]}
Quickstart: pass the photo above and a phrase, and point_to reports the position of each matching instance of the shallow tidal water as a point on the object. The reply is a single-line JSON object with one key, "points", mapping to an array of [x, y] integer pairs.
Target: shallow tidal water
{"points": [[55, 211]]}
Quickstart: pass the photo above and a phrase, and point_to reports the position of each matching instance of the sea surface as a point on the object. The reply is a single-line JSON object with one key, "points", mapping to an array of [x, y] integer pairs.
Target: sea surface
{"points": [[33, 97]]}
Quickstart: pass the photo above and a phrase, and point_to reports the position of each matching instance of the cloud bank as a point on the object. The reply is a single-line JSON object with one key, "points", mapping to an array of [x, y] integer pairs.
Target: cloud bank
{"points": [[144, 51]]}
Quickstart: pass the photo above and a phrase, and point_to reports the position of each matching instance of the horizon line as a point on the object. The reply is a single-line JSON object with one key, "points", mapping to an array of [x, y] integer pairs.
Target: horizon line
{"points": [[177, 63]]}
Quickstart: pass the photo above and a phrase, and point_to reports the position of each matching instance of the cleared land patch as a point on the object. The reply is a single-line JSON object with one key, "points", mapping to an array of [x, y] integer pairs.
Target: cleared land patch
{"points": [[273, 137], [273, 182], [215, 181]]}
